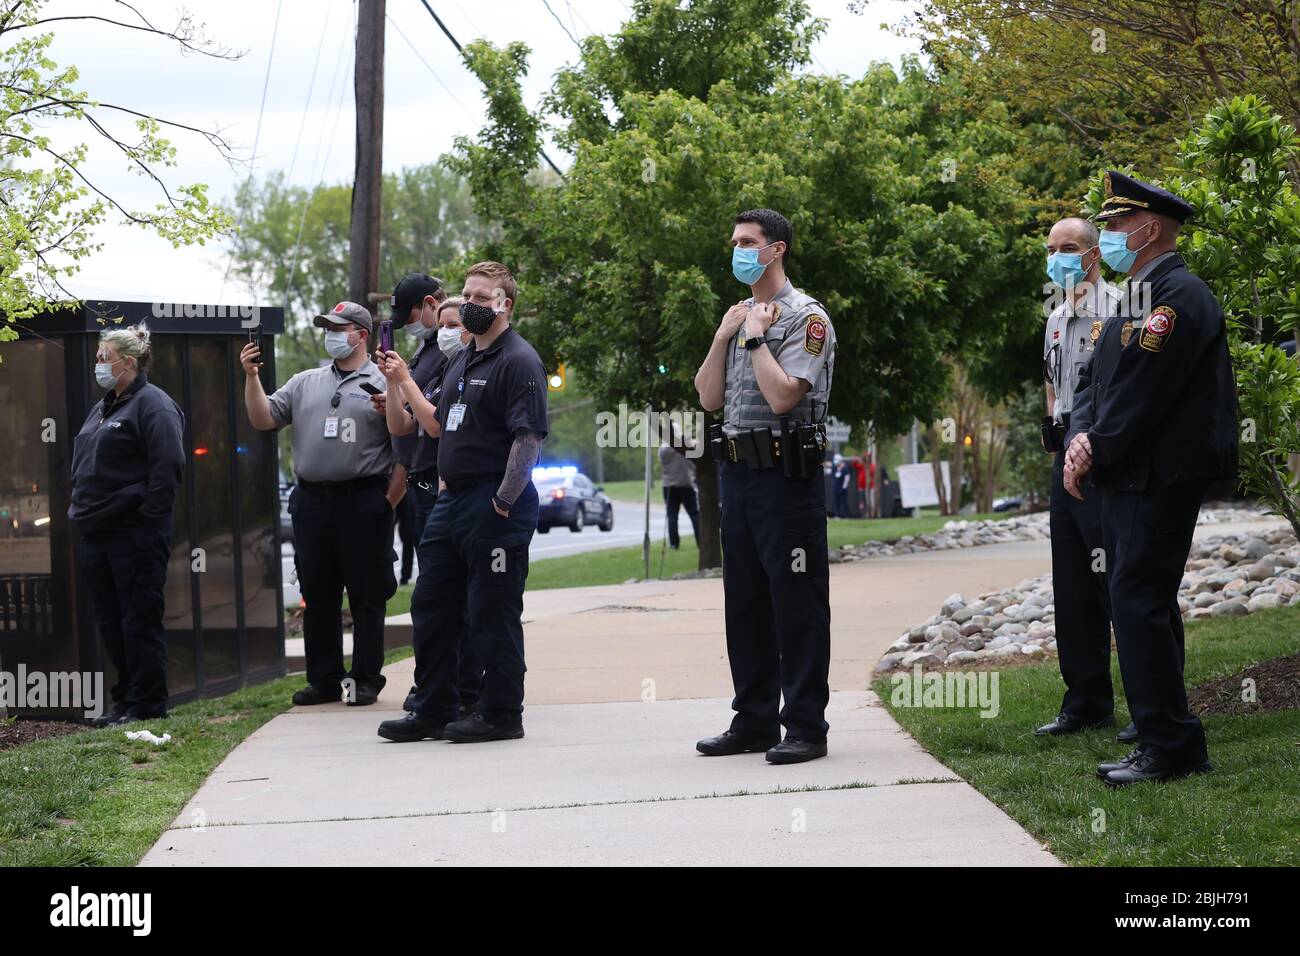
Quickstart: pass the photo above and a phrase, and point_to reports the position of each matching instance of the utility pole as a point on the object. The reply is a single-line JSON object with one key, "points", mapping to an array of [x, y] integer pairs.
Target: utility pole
{"points": [[363, 274]]}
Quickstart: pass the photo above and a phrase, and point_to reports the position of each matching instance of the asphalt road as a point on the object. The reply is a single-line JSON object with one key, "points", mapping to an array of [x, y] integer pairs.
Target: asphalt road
{"points": [[629, 529]]}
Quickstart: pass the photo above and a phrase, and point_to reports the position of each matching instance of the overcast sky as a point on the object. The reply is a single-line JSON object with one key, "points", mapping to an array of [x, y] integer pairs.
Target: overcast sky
{"points": [[307, 125]]}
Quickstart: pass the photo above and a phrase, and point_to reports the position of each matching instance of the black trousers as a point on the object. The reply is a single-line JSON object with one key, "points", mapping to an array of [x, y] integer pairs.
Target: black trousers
{"points": [[776, 579], [473, 566], [409, 529], [1148, 535], [343, 541], [675, 498], [1081, 599], [470, 670], [125, 570]]}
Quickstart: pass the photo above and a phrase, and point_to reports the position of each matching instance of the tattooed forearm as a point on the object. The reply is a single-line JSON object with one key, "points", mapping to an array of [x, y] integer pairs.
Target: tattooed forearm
{"points": [[519, 469]]}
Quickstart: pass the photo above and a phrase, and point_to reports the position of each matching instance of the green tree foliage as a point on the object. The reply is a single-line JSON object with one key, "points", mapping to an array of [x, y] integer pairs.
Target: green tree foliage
{"points": [[49, 207], [1245, 242], [909, 216], [1122, 77], [292, 249], [1029, 468]]}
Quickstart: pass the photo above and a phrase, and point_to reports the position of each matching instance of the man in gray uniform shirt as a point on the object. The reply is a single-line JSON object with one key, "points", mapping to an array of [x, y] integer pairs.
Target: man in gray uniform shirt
{"points": [[342, 506], [1087, 302]]}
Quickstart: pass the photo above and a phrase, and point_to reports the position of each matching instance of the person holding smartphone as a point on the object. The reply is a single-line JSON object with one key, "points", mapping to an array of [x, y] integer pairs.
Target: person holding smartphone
{"points": [[342, 505], [126, 466]]}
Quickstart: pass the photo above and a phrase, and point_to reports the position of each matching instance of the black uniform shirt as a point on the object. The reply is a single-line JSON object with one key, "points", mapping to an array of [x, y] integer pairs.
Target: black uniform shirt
{"points": [[503, 389], [417, 451], [128, 456], [1160, 403]]}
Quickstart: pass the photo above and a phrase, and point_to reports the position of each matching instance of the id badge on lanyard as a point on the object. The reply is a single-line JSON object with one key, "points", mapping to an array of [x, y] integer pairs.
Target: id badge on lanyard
{"points": [[456, 414]]}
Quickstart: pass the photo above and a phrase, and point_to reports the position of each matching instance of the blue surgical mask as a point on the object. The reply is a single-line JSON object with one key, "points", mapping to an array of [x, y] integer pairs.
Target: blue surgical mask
{"points": [[745, 265], [1115, 251], [104, 376], [1066, 268], [336, 344]]}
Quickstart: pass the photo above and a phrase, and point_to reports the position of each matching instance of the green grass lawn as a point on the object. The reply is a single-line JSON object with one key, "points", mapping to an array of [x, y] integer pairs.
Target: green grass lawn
{"points": [[1247, 813], [634, 491], [616, 565], [98, 799]]}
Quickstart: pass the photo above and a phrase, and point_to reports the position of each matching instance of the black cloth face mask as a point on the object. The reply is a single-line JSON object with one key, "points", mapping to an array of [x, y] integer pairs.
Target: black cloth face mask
{"points": [[477, 318]]}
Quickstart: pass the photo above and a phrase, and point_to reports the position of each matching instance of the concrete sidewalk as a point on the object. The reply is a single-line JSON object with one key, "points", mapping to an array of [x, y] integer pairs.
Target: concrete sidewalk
{"points": [[622, 680]]}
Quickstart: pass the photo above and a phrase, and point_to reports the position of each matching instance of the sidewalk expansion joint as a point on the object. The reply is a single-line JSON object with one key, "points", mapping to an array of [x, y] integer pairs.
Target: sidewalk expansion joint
{"points": [[811, 788]]}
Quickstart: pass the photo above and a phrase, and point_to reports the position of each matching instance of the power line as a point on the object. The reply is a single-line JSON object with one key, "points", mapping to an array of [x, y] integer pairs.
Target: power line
{"points": [[431, 69], [561, 23], [311, 87], [460, 49], [341, 69], [257, 136]]}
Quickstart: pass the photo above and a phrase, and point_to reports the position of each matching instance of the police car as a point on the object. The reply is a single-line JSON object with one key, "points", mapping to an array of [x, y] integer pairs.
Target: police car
{"points": [[565, 496]]}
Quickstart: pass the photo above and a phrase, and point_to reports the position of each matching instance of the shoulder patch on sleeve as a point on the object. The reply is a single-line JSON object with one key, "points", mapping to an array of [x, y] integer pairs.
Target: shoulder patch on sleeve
{"points": [[1157, 328], [814, 336]]}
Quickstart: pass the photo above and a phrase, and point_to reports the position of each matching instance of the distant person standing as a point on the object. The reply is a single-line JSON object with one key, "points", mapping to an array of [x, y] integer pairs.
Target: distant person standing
{"points": [[842, 475], [679, 491], [342, 505], [126, 466]]}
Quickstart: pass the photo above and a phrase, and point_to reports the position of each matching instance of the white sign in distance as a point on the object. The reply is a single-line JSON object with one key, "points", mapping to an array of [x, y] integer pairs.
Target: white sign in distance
{"points": [[916, 484], [837, 431]]}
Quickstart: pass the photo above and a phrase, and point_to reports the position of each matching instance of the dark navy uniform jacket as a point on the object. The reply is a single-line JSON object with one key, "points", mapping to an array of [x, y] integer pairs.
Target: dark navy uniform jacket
{"points": [[128, 457], [1158, 400]]}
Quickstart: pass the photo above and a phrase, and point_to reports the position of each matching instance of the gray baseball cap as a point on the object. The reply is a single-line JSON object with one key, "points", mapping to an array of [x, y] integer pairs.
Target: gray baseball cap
{"points": [[345, 313]]}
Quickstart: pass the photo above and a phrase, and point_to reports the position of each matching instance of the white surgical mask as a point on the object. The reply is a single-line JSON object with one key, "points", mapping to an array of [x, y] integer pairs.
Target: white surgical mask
{"points": [[104, 375], [419, 331], [449, 341], [336, 344]]}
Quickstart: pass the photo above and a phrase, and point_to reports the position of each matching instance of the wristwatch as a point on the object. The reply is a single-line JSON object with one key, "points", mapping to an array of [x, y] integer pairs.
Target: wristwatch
{"points": [[751, 344], [501, 504]]}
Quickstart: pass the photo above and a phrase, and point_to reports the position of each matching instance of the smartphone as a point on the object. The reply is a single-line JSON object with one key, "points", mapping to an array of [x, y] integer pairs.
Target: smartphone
{"points": [[386, 335], [370, 389], [255, 338]]}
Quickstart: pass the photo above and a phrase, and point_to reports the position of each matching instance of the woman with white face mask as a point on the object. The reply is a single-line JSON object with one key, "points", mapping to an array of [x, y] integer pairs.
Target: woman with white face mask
{"points": [[126, 467], [413, 411]]}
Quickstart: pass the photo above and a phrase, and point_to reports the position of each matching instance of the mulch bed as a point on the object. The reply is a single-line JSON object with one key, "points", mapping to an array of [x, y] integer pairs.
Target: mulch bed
{"points": [[21, 732], [1277, 687]]}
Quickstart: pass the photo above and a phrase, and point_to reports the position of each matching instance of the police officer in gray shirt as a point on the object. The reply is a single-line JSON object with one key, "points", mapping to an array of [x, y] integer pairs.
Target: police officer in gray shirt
{"points": [[1087, 302], [342, 506], [770, 368]]}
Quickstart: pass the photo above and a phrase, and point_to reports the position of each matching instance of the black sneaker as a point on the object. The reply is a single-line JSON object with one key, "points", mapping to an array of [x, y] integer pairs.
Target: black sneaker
{"points": [[311, 694], [412, 727], [365, 695], [114, 716], [796, 750], [729, 743], [474, 729]]}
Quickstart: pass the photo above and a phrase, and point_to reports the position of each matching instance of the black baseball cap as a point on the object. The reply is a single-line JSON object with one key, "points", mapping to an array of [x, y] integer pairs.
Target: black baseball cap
{"points": [[410, 292]]}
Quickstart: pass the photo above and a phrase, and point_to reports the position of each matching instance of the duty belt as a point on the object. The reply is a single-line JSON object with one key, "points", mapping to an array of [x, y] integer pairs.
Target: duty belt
{"points": [[798, 449], [343, 487], [426, 480]]}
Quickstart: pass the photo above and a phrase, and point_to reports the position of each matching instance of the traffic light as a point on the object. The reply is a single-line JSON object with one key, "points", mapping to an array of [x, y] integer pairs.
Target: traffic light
{"points": [[556, 380]]}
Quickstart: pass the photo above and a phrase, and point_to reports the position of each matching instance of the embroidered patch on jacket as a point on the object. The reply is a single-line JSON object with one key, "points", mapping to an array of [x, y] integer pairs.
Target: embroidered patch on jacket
{"points": [[1157, 329], [814, 339]]}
